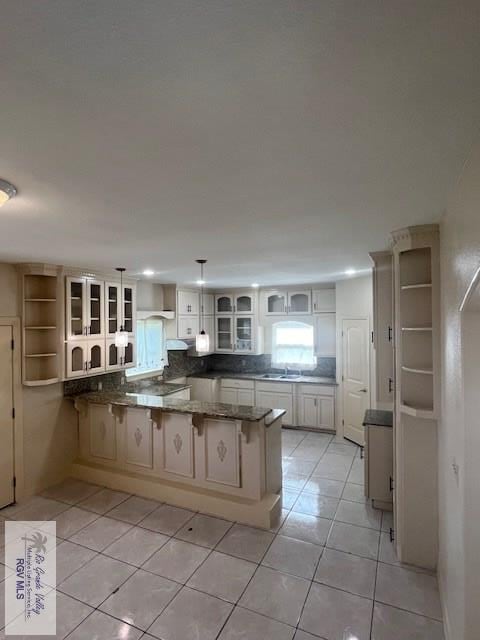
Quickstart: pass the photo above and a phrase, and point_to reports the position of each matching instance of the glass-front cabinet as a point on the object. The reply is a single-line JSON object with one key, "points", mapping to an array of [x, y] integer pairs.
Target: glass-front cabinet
{"points": [[299, 302], [244, 335], [224, 334], [113, 308], [85, 310], [276, 303], [129, 308], [244, 304], [223, 303]]}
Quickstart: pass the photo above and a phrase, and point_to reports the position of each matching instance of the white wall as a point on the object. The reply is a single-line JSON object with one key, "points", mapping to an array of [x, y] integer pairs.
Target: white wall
{"points": [[460, 257], [149, 296], [354, 299]]}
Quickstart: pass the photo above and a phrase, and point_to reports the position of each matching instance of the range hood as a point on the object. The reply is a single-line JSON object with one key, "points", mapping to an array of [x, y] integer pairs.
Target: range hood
{"points": [[165, 315]]}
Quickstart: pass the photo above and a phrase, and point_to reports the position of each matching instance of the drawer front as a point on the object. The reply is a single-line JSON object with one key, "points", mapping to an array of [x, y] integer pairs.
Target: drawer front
{"points": [[237, 384], [316, 389], [275, 387]]}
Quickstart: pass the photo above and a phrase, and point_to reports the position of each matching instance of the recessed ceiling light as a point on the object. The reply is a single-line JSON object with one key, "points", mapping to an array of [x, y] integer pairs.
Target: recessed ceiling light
{"points": [[350, 272], [255, 285], [7, 191], [201, 282], [148, 272]]}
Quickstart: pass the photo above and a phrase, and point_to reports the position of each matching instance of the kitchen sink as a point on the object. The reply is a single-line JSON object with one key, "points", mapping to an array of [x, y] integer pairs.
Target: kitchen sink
{"points": [[290, 376], [272, 376]]}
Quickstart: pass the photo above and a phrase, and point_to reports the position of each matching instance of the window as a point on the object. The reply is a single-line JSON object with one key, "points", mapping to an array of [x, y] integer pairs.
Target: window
{"points": [[151, 347], [292, 345]]}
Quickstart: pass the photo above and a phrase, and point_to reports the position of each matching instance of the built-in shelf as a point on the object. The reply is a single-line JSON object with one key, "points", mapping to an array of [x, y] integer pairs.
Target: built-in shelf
{"points": [[416, 328], [40, 355], [426, 285], [38, 328], [423, 371], [40, 299], [40, 383], [418, 412]]}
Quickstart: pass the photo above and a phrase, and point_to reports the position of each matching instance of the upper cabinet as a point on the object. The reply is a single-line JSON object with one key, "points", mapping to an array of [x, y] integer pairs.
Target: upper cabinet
{"points": [[324, 301], [275, 303], [208, 304], [224, 303], [113, 308], [281, 303], [129, 308], [299, 302], [85, 308], [188, 303], [244, 304]]}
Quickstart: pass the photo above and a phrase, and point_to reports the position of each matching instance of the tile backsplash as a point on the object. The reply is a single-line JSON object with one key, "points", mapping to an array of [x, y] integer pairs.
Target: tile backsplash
{"points": [[326, 367]]}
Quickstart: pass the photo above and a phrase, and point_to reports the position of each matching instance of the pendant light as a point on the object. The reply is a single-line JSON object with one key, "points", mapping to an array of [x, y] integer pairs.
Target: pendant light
{"points": [[121, 337], [202, 339], [7, 191]]}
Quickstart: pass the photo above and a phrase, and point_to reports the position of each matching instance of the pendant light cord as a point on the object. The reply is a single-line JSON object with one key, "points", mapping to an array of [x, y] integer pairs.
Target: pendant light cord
{"points": [[202, 328]]}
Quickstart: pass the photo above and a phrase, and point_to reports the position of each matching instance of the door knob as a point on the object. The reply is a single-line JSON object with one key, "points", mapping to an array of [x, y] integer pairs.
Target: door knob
{"points": [[363, 391]]}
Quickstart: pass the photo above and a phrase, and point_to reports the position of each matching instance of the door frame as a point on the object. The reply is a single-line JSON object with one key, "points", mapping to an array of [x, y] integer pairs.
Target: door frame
{"points": [[341, 413], [18, 463]]}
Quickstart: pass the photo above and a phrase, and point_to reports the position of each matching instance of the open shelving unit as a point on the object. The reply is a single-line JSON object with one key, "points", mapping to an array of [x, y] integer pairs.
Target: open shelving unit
{"points": [[40, 314], [417, 364]]}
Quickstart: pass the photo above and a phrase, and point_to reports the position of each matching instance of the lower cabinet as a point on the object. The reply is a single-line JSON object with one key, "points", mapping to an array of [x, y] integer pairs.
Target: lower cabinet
{"points": [[102, 433], [234, 391], [316, 407], [379, 463], [276, 395], [176, 434], [139, 438]]}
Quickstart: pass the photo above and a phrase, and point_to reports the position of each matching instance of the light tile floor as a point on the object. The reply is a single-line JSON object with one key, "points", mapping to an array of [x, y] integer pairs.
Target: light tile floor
{"points": [[130, 568]]}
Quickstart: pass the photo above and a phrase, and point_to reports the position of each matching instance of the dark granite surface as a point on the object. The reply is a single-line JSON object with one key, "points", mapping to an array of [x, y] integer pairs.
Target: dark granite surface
{"points": [[260, 376], [378, 418], [148, 401], [158, 389], [326, 367], [180, 364]]}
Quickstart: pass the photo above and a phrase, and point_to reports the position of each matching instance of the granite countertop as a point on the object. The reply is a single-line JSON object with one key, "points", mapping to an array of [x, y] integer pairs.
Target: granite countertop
{"points": [[215, 375], [378, 418], [172, 405], [157, 389]]}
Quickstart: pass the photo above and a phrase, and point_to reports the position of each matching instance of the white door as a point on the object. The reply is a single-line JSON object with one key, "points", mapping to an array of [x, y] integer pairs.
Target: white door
{"points": [[355, 377], [6, 417]]}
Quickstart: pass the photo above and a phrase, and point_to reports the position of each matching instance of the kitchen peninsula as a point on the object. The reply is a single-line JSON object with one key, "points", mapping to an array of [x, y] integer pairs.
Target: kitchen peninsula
{"points": [[219, 458]]}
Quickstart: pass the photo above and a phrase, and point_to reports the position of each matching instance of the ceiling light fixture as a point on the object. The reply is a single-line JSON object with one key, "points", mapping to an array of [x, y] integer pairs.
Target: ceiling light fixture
{"points": [[7, 191], [121, 336], [201, 282], [148, 272], [350, 272], [255, 285], [202, 339]]}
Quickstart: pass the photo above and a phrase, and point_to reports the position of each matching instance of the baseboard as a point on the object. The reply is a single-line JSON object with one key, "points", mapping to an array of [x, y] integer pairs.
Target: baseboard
{"points": [[264, 513], [447, 632]]}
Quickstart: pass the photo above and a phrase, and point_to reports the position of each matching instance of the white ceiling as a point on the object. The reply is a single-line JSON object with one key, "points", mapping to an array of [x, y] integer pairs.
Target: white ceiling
{"points": [[282, 140]]}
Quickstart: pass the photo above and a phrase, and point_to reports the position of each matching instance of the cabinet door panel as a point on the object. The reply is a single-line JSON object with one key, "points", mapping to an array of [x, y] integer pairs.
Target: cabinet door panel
{"points": [[222, 452], [187, 327], [276, 401], [95, 308], [244, 304], [96, 356], [244, 334], [327, 412], [246, 397], [77, 359], [208, 304], [275, 303], [139, 447], [113, 308], [324, 301], [177, 433], [129, 354], [188, 303], [112, 356], [223, 303], [129, 308], [229, 396], [326, 335], [102, 433], [224, 334], [309, 411], [299, 302], [76, 307]]}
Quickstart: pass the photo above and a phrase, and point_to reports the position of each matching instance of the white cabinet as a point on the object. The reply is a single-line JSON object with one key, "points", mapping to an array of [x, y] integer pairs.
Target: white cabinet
{"points": [[178, 447], [379, 464], [325, 335], [275, 303], [113, 308], [85, 308], [244, 304], [208, 304], [244, 338], [139, 438], [85, 357], [188, 327], [299, 302], [276, 395], [102, 433], [222, 453], [188, 303], [316, 406], [224, 303], [120, 357], [281, 303], [237, 392], [324, 301], [224, 334]]}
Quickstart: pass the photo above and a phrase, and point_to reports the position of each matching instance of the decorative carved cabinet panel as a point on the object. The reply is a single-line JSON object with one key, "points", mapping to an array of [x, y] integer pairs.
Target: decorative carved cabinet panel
{"points": [[177, 444], [222, 452], [102, 433], [139, 444]]}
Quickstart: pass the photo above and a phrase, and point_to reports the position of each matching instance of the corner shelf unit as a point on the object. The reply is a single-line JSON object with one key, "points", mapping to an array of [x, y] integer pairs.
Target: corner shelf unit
{"points": [[417, 399], [40, 316]]}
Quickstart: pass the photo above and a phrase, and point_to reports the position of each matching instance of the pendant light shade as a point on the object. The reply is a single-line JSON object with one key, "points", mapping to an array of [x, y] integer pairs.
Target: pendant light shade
{"points": [[121, 336], [202, 339]]}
